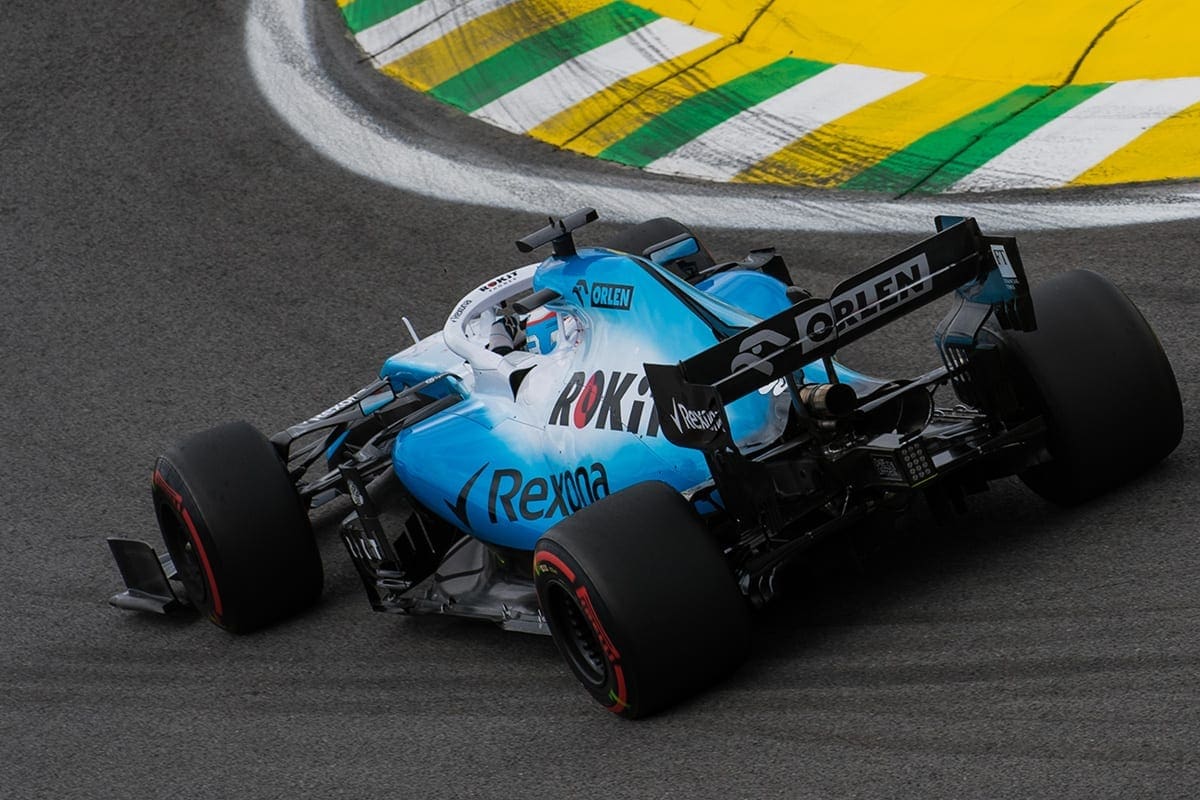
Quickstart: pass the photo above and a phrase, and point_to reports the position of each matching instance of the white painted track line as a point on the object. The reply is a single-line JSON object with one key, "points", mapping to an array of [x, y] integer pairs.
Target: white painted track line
{"points": [[739, 143], [423, 24], [576, 80], [1073, 143]]}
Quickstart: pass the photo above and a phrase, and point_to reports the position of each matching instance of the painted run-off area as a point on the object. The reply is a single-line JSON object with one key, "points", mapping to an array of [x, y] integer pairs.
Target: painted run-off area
{"points": [[886, 96]]}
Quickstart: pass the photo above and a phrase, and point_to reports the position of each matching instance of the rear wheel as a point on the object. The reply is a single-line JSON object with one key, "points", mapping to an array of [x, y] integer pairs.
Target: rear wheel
{"points": [[1097, 372], [640, 600], [235, 528]]}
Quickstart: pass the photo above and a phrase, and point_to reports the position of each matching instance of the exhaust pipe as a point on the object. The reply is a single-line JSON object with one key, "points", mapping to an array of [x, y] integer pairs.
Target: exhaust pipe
{"points": [[828, 400]]}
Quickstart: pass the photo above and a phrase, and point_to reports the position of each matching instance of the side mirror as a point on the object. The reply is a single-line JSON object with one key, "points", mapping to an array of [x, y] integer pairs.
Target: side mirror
{"points": [[680, 246], [376, 400]]}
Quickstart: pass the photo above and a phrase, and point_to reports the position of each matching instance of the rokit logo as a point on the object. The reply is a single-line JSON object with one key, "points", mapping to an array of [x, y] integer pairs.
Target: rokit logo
{"points": [[604, 295], [491, 286], [498, 281], [513, 495], [606, 401]]}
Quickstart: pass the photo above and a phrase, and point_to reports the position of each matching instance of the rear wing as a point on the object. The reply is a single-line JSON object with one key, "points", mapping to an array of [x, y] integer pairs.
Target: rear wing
{"points": [[986, 272]]}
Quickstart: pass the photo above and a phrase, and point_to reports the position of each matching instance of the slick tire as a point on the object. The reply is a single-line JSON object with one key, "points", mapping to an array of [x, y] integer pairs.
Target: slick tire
{"points": [[640, 601], [1097, 372], [636, 239], [235, 528]]}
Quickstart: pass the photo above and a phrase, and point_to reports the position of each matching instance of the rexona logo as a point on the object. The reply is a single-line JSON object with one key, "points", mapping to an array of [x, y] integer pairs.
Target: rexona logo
{"points": [[604, 295], [614, 401], [513, 495], [688, 419], [340, 406]]}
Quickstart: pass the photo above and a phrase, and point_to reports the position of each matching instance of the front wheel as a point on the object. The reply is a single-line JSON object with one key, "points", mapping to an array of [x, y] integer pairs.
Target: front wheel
{"points": [[640, 601], [234, 525]]}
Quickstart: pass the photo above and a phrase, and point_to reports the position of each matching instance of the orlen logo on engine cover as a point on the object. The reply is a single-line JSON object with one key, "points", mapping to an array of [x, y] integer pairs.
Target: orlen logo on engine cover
{"points": [[604, 295], [606, 401]]}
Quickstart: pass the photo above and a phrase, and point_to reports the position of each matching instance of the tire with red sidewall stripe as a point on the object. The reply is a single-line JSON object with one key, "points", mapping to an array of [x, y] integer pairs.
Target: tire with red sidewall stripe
{"points": [[640, 601], [235, 527]]}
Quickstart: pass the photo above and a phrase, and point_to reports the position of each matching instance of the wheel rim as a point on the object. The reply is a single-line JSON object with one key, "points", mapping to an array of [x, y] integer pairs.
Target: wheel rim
{"points": [[576, 635]]}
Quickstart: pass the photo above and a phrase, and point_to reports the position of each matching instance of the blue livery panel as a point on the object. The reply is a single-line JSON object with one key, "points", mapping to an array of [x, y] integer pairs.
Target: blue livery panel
{"points": [[575, 422]]}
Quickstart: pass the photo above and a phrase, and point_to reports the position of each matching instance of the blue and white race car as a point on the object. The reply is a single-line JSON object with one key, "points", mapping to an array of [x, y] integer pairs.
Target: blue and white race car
{"points": [[626, 446]]}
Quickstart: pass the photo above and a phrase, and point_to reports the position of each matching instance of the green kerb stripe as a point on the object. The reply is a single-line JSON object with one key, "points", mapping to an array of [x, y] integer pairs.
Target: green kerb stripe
{"points": [[702, 112], [1006, 134], [906, 168], [520, 63], [362, 14]]}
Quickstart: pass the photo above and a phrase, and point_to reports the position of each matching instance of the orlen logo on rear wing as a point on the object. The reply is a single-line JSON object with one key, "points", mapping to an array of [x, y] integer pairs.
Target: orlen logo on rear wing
{"points": [[813, 328]]}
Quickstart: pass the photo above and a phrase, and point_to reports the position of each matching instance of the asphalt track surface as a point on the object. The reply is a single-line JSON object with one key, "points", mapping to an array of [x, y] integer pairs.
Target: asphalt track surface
{"points": [[173, 257]]}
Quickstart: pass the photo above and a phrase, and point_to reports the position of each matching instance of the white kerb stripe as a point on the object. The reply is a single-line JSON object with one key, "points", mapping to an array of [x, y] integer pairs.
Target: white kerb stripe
{"points": [[744, 140], [1073, 143], [573, 81], [423, 24]]}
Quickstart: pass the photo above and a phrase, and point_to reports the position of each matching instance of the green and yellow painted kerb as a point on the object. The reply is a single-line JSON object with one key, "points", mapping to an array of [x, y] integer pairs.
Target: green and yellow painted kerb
{"points": [[897, 96]]}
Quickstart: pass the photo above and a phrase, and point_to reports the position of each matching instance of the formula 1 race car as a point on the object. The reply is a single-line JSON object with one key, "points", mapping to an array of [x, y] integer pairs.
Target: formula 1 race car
{"points": [[625, 446]]}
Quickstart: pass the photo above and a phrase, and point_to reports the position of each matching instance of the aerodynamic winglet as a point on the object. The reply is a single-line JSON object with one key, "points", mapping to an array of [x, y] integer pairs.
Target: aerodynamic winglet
{"points": [[558, 232]]}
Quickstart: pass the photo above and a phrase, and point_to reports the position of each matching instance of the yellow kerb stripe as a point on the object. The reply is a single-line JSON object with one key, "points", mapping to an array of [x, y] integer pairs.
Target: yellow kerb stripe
{"points": [[725, 66], [482, 38], [1169, 150], [1022, 41], [726, 17], [1155, 39], [562, 127], [840, 150]]}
